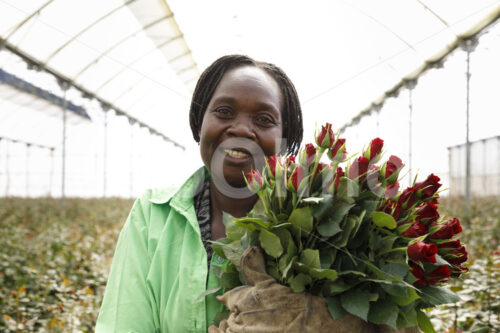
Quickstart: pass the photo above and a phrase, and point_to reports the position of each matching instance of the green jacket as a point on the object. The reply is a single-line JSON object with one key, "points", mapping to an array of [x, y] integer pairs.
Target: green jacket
{"points": [[160, 268]]}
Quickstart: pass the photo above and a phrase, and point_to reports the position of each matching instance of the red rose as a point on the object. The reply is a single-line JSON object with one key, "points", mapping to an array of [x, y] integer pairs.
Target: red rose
{"points": [[428, 187], [457, 270], [254, 180], [387, 207], [454, 244], [310, 153], [416, 230], [272, 161], [457, 256], [391, 190], [440, 273], [375, 148], [325, 137], [321, 166], [339, 173], [418, 272], [421, 251], [289, 161], [447, 230], [338, 152], [358, 168], [296, 179], [428, 214], [405, 201], [393, 164]]}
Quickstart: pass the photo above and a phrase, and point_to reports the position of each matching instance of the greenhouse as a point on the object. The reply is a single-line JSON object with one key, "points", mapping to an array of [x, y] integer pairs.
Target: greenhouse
{"points": [[95, 101]]}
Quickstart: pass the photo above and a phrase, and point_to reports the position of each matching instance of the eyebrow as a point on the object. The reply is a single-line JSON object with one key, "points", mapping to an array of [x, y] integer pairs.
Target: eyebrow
{"points": [[261, 105]]}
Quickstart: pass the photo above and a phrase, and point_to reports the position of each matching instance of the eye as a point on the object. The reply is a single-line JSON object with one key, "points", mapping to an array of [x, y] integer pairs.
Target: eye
{"points": [[223, 112], [265, 120]]}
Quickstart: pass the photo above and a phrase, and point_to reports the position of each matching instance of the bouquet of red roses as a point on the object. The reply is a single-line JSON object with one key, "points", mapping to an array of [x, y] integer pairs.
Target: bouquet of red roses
{"points": [[348, 234]]}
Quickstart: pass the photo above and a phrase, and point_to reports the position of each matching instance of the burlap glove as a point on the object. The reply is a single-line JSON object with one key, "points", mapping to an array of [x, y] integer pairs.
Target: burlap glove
{"points": [[265, 306]]}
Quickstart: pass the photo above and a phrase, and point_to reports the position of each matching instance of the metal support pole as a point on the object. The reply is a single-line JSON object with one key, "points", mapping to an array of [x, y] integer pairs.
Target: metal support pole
{"points": [[469, 46], [63, 173], [51, 176], [105, 155], [410, 85], [7, 169], [28, 146]]}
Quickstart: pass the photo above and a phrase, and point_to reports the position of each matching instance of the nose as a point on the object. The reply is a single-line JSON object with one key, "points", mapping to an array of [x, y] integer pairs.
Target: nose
{"points": [[241, 127]]}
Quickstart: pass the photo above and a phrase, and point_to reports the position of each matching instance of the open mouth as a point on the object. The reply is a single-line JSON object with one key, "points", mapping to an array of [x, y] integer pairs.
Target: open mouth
{"points": [[237, 153]]}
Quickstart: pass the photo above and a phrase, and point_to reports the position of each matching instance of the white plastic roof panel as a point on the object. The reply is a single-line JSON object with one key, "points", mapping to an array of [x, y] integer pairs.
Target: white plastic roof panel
{"points": [[112, 50]]}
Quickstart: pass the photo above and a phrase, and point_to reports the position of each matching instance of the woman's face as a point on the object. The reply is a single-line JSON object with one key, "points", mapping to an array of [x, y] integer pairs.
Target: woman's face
{"points": [[241, 125]]}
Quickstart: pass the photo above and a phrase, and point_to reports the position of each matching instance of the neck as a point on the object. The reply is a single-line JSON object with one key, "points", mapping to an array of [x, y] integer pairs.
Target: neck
{"points": [[223, 203]]}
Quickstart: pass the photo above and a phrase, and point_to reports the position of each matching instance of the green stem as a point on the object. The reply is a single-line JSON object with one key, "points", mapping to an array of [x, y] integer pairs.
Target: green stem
{"points": [[320, 152]]}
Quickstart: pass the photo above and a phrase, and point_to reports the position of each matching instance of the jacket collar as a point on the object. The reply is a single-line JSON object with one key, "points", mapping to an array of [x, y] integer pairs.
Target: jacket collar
{"points": [[180, 198]]}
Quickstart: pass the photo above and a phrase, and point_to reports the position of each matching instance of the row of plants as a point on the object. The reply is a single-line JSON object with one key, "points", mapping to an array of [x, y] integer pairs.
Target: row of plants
{"points": [[53, 267]]}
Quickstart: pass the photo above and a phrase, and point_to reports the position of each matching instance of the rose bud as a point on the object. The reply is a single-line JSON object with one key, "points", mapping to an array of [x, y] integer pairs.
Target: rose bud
{"points": [[391, 191], [457, 270], [418, 272], [405, 201], [358, 168], [374, 149], [392, 167], [320, 168], [457, 256], [275, 167], [454, 244], [334, 183], [428, 214], [428, 187], [447, 230], [421, 251], [416, 230], [254, 180], [325, 138], [440, 273], [295, 179], [307, 155], [289, 161], [337, 152]]}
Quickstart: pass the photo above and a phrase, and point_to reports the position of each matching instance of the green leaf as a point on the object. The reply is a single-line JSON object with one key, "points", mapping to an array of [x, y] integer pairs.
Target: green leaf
{"points": [[218, 244], [208, 292], [382, 220], [232, 230], [347, 190], [302, 218], [356, 302], [437, 295], [349, 227], [298, 283], [310, 257], [407, 317], [229, 281], [395, 269], [411, 295], [320, 273], [335, 308], [270, 243], [384, 312], [337, 287], [323, 208], [252, 223], [424, 322], [329, 228], [350, 271], [340, 210]]}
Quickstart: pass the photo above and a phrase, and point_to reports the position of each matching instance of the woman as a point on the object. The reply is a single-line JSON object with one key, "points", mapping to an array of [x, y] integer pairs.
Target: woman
{"points": [[242, 111]]}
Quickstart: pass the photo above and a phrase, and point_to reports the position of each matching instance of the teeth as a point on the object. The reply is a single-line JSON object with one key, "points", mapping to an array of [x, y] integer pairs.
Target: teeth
{"points": [[235, 153]]}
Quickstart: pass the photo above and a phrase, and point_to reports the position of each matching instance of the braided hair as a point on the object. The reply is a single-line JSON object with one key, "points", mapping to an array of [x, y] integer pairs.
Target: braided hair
{"points": [[210, 78]]}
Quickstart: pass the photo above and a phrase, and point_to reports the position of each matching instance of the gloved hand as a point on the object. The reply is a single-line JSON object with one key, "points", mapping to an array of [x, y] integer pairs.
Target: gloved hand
{"points": [[265, 306]]}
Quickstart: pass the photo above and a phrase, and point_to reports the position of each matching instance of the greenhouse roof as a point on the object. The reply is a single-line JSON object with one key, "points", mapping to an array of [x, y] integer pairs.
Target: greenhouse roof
{"points": [[140, 60]]}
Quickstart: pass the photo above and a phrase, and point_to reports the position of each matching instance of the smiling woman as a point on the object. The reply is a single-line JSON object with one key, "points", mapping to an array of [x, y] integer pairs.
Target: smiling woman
{"points": [[242, 111]]}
